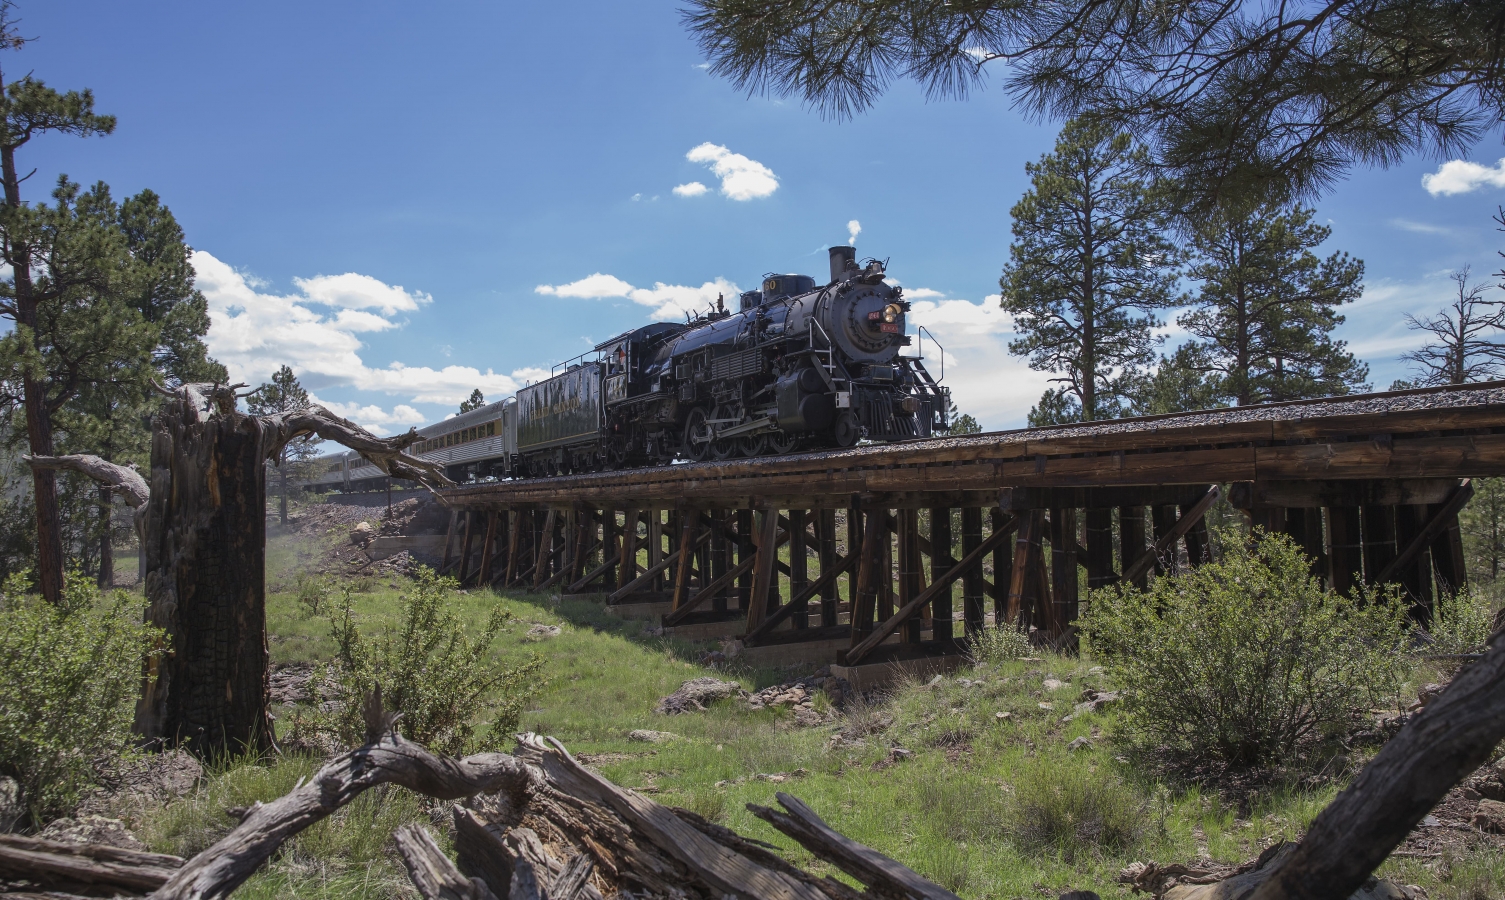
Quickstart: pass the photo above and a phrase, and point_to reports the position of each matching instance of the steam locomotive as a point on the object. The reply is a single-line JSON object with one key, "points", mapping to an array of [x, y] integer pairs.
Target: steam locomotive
{"points": [[796, 366]]}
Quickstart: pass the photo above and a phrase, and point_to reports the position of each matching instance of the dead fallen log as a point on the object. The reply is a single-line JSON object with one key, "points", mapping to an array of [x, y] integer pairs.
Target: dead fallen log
{"points": [[390, 760], [1441, 745], [862, 863], [83, 868], [537, 825], [432, 872]]}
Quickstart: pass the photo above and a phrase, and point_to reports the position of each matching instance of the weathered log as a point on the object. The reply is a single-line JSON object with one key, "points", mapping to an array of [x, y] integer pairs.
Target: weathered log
{"points": [[1438, 748], [863, 863], [83, 866], [432, 872], [392, 760], [716, 865]]}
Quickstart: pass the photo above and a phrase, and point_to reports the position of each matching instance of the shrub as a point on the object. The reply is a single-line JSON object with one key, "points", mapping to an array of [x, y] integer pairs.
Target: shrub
{"points": [[313, 591], [1002, 644], [69, 675], [1461, 623], [1067, 806], [1246, 661], [428, 669]]}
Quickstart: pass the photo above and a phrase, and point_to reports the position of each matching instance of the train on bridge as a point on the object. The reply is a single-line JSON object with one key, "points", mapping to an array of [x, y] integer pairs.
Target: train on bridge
{"points": [[796, 366]]}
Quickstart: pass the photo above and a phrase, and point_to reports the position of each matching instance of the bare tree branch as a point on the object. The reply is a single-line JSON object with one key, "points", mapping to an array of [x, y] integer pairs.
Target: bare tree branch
{"points": [[387, 455], [125, 480]]}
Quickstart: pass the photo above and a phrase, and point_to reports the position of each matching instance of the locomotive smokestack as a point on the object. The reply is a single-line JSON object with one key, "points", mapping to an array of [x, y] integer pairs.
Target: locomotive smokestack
{"points": [[841, 257]]}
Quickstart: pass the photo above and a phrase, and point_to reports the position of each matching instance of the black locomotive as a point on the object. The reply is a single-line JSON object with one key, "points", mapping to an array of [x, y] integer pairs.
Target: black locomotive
{"points": [[797, 366]]}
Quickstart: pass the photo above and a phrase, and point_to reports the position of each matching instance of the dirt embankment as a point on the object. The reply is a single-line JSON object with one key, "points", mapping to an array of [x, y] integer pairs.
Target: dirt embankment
{"points": [[376, 541]]}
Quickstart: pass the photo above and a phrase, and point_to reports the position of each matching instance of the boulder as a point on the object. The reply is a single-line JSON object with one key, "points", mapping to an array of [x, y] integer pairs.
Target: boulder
{"points": [[694, 694], [92, 830], [1489, 816]]}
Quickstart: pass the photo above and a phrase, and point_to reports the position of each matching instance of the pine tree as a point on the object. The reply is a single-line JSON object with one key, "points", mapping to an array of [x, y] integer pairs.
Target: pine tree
{"points": [[1265, 313], [55, 258], [1088, 268], [1179, 384], [960, 422], [1483, 525], [283, 394], [475, 402]]}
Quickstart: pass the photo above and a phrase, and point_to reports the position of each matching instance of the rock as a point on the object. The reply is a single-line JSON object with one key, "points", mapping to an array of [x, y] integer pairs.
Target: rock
{"points": [[1003, 716], [1489, 816], [1095, 700], [10, 804], [1052, 684], [544, 632], [1080, 743], [362, 534], [645, 736], [1046, 705], [899, 753], [1079, 895], [92, 830], [694, 694]]}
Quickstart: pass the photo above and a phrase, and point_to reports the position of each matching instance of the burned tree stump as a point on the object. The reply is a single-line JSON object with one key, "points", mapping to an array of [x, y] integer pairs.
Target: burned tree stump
{"points": [[202, 520]]}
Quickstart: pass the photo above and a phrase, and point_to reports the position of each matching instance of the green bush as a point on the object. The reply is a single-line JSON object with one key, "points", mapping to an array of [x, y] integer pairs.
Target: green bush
{"points": [[1461, 623], [1246, 661], [69, 676], [441, 681], [1068, 806], [1002, 644]]}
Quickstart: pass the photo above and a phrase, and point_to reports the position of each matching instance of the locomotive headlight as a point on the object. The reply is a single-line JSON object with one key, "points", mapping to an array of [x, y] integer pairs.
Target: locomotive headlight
{"points": [[891, 313]]}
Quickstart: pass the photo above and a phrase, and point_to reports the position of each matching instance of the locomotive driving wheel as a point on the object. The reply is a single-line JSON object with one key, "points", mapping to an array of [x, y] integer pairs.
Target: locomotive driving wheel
{"points": [[781, 442], [697, 442], [722, 448], [752, 445]]}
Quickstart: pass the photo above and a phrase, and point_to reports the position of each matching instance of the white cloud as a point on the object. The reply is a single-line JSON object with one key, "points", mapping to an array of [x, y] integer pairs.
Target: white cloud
{"points": [[373, 417], [315, 332], [1459, 176], [591, 287], [637, 196], [693, 189], [854, 228], [1419, 227], [667, 301], [352, 291], [741, 178], [985, 380]]}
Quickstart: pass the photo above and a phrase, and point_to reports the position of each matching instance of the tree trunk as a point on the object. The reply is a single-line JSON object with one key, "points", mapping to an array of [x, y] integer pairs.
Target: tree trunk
{"points": [[205, 568], [282, 490], [106, 540]]}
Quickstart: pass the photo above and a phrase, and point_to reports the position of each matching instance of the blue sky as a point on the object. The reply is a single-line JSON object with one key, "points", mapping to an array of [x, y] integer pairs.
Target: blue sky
{"points": [[377, 191]]}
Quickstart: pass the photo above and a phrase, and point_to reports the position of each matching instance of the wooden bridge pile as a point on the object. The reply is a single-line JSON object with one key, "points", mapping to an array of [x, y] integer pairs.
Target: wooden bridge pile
{"points": [[897, 551]]}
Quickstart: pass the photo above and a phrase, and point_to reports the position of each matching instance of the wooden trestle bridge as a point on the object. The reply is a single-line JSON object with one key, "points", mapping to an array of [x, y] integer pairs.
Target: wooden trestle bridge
{"points": [[882, 539]]}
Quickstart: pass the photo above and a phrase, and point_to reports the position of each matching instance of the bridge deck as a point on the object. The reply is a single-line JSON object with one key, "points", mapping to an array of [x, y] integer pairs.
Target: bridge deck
{"points": [[1439, 432], [880, 538]]}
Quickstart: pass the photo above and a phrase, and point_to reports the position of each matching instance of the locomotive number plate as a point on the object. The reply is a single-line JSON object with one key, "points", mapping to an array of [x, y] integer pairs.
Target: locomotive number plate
{"points": [[889, 328]]}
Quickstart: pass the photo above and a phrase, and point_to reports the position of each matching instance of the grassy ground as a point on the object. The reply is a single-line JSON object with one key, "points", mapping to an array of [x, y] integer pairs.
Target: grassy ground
{"points": [[990, 805]]}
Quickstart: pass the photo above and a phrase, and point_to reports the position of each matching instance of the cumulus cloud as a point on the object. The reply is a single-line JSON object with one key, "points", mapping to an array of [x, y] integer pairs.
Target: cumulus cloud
{"points": [[316, 331], [372, 416], [1459, 176], [693, 189], [854, 228], [741, 178], [985, 380], [666, 301]]}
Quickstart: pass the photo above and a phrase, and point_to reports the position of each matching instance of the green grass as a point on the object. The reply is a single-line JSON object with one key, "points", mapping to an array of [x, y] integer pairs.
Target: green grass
{"points": [[965, 810]]}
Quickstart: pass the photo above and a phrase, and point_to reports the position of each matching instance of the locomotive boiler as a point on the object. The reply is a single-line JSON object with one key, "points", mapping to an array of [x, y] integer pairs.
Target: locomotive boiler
{"points": [[796, 366]]}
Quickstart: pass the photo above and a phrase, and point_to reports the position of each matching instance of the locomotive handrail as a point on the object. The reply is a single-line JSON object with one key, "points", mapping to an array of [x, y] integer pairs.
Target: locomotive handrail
{"points": [[921, 331]]}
